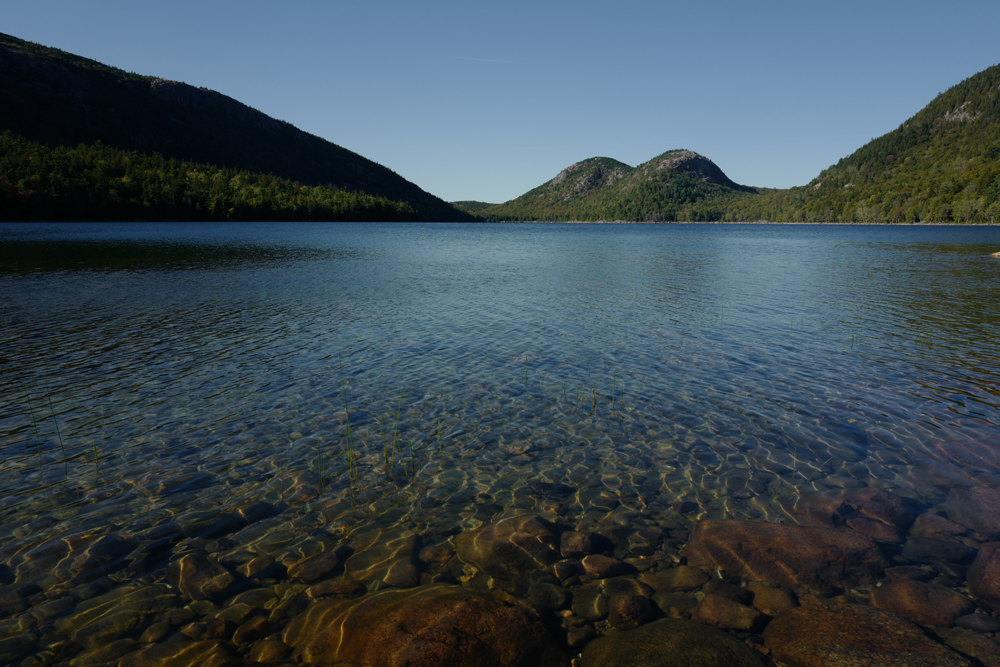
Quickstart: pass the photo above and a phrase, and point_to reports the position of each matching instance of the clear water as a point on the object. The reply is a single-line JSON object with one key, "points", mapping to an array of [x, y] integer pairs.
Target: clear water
{"points": [[150, 374]]}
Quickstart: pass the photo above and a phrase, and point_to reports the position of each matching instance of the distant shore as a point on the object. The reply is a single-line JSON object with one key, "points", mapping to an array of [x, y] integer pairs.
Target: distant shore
{"points": [[755, 222]]}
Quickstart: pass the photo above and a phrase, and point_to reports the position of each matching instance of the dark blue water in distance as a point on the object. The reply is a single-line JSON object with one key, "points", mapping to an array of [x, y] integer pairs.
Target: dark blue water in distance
{"points": [[156, 373]]}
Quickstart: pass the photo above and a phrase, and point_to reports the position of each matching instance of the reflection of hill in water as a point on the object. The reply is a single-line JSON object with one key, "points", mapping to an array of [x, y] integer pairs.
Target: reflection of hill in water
{"points": [[48, 255]]}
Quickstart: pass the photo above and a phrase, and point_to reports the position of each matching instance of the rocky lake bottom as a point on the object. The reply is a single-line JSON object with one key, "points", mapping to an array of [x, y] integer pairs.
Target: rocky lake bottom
{"points": [[449, 445]]}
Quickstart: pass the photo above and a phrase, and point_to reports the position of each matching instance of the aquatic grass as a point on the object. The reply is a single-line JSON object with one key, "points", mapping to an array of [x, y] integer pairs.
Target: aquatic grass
{"points": [[38, 440], [352, 456], [390, 460], [320, 467], [614, 387], [440, 444]]}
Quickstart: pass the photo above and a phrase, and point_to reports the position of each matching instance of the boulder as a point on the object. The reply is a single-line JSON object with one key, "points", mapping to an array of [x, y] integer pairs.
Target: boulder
{"points": [[972, 644], [180, 652], [431, 626], [728, 614], [681, 578], [974, 455], [198, 577], [575, 545], [975, 508], [840, 507], [311, 568], [601, 567], [381, 559], [771, 599], [936, 527], [984, 575], [846, 635], [629, 611], [792, 556], [923, 603], [510, 546], [670, 642]]}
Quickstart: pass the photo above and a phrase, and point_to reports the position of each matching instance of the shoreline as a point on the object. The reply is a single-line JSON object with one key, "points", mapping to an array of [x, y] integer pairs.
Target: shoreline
{"points": [[755, 222]]}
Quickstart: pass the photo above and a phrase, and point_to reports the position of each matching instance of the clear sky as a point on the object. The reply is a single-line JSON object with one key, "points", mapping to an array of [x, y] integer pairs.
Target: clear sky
{"points": [[477, 100]]}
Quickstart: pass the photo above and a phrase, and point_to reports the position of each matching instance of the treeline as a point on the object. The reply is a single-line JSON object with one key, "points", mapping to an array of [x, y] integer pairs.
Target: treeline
{"points": [[97, 182]]}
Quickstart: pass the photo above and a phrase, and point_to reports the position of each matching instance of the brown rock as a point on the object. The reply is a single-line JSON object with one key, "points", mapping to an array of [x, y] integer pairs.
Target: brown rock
{"points": [[837, 507], [629, 611], [255, 566], [424, 627], [343, 588], [771, 600], [847, 635], [510, 546], [976, 508], [792, 556], [909, 573], [198, 577], [565, 569], [878, 531], [727, 614], [575, 545], [384, 559], [106, 618], [254, 629], [590, 603], [269, 651], [312, 568], [925, 604], [179, 652], [967, 454], [972, 644], [681, 578], [984, 575], [670, 642], [936, 527], [602, 567]]}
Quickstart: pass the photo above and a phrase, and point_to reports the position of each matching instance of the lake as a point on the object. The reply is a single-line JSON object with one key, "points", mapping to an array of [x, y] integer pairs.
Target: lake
{"points": [[252, 396]]}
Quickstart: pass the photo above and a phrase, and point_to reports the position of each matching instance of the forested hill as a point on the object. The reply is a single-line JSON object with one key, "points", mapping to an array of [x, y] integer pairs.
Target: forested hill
{"points": [[59, 99], [677, 185], [941, 165]]}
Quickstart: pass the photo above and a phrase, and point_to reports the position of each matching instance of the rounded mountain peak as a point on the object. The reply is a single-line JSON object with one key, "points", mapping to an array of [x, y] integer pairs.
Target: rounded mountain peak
{"points": [[692, 163]]}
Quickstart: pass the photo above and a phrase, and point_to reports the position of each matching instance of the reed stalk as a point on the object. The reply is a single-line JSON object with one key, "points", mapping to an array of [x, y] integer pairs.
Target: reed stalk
{"points": [[352, 458], [61, 445], [38, 440]]}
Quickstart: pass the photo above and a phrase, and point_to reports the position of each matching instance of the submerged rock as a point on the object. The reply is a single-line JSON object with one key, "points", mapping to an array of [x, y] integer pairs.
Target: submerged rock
{"points": [[976, 508], [384, 559], [923, 603], [792, 556], [180, 652], [430, 626], [681, 578], [972, 644], [670, 642], [846, 635], [510, 546], [629, 611], [984, 575], [728, 614], [848, 506], [199, 577]]}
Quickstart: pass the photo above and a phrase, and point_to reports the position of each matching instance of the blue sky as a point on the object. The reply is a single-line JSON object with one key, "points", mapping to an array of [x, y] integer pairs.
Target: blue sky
{"points": [[488, 100]]}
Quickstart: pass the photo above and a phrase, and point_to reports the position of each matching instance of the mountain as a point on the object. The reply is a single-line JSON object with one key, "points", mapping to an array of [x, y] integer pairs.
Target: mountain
{"points": [[941, 165], [59, 99], [677, 185]]}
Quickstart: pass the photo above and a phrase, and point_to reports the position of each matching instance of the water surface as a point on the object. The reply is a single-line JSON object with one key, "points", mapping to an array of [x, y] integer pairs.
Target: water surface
{"points": [[156, 375]]}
